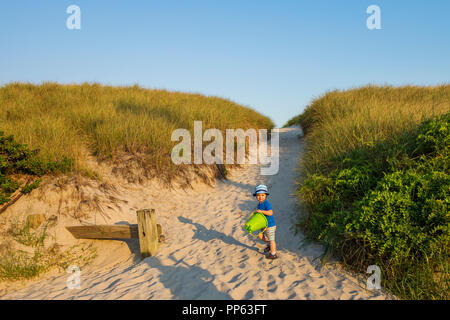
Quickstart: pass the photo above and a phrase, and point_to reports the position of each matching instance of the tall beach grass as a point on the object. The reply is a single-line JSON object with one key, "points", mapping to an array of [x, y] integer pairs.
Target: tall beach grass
{"points": [[340, 121], [108, 122]]}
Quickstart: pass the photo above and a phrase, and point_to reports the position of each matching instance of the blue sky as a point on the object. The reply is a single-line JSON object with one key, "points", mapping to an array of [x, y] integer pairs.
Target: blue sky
{"points": [[273, 56]]}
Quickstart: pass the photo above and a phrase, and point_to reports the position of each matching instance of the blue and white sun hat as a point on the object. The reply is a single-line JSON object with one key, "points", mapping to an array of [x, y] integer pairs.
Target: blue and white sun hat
{"points": [[260, 189]]}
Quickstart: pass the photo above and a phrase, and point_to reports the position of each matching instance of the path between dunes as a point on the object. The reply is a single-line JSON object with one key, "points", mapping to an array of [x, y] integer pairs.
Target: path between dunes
{"points": [[208, 254]]}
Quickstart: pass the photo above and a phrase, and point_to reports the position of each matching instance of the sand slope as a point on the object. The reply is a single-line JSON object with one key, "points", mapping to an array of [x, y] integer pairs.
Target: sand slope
{"points": [[207, 254]]}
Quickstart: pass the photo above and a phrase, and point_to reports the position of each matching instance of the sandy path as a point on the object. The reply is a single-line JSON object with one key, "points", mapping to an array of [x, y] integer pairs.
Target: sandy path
{"points": [[207, 254]]}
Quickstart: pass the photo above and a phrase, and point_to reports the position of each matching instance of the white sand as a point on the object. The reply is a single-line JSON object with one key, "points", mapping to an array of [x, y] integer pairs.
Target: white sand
{"points": [[207, 253]]}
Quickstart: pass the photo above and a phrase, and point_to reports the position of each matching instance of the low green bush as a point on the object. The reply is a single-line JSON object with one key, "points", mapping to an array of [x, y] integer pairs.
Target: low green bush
{"points": [[16, 158]]}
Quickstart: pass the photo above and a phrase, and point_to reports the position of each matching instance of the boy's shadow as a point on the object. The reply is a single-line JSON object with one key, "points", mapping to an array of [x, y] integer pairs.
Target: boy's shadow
{"points": [[205, 234], [187, 282]]}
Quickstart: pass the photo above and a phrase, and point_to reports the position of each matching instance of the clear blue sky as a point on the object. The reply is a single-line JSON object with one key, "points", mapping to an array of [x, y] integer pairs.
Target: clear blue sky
{"points": [[273, 56]]}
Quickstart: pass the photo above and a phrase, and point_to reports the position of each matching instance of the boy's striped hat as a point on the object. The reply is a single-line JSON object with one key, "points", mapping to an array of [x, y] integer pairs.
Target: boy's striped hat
{"points": [[261, 188]]}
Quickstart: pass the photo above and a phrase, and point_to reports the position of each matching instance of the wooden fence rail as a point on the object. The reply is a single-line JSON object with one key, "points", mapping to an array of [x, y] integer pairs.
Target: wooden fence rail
{"points": [[146, 230]]}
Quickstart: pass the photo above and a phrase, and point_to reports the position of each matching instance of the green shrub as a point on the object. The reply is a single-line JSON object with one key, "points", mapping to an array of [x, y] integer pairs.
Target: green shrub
{"points": [[434, 136], [17, 158], [29, 187], [405, 215]]}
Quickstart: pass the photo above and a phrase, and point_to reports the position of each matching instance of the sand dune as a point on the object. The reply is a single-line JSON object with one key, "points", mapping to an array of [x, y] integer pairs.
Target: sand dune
{"points": [[207, 253]]}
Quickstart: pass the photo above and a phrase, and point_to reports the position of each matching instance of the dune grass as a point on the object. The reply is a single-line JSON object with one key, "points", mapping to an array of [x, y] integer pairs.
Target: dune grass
{"points": [[72, 121], [375, 183], [23, 254], [340, 121]]}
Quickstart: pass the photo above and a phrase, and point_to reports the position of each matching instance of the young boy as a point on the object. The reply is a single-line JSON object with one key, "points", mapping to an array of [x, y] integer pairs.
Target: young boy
{"points": [[265, 207]]}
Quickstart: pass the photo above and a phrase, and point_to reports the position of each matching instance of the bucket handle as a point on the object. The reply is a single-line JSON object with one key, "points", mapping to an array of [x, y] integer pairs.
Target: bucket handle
{"points": [[251, 215]]}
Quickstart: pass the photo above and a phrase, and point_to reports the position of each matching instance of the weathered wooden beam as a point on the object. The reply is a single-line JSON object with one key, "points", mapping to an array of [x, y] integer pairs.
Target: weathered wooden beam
{"points": [[148, 232], [104, 231], [109, 232]]}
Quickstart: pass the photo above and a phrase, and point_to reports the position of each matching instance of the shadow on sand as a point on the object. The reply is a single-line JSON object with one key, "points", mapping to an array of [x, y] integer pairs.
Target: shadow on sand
{"points": [[204, 234], [187, 282]]}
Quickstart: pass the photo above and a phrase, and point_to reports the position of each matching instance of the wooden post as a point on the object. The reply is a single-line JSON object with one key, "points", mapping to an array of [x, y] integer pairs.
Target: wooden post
{"points": [[35, 220], [148, 232]]}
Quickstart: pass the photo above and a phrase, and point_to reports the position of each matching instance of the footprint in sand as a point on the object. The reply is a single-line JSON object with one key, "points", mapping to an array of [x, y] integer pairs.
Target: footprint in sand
{"points": [[315, 275], [272, 286], [235, 278], [249, 295], [346, 296], [323, 292], [317, 284], [348, 288], [260, 292], [296, 283], [292, 296], [240, 282]]}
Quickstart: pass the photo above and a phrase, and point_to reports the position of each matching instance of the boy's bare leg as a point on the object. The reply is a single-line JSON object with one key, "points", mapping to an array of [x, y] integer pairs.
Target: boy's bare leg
{"points": [[260, 236], [273, 246]]}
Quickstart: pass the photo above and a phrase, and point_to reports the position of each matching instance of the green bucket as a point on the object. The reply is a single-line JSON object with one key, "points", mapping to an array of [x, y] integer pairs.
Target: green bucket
{"points": [[256, 221]]}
